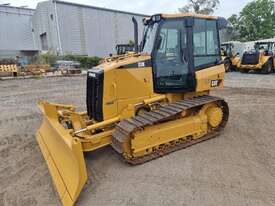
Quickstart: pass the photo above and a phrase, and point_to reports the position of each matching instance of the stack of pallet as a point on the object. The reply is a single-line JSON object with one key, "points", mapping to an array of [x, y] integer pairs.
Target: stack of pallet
{"points": [[8, 67], [36, 69]]}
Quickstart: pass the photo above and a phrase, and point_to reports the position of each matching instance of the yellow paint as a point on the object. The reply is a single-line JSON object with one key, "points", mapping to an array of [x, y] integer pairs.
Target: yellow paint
{"points": [[125, 91], [9, 68], [180, 15], [206, 76], [235, 61], [215, 116], [195, 126], [125, 88], [262, 61], [64, 156], [234, 58]]}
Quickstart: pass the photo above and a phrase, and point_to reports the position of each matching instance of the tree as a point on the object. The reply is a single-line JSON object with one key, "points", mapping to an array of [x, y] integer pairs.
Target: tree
{"points": [[200, 6], [256, 21], [234, 30]]}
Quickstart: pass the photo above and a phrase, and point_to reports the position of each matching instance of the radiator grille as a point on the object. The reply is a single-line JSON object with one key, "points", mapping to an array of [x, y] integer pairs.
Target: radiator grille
{"points": [[94, 97], [250, 58]]}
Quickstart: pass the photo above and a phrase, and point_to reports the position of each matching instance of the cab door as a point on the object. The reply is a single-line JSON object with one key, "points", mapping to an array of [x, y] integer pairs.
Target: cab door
{"points": [[171, 65]]}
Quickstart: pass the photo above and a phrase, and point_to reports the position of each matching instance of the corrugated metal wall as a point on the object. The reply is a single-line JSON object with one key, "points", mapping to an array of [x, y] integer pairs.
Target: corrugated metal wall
{"points": [[15, 29], [104, 30], [83, 30], [70, 28], [44, 21], [91, 31]]}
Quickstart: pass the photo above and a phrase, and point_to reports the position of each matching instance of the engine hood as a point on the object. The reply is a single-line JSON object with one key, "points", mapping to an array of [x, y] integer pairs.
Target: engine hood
{"points": [[130, 60]]}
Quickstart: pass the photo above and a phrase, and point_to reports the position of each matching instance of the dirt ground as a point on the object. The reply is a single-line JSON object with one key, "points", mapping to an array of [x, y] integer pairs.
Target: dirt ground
{"points": [[237, 168]]}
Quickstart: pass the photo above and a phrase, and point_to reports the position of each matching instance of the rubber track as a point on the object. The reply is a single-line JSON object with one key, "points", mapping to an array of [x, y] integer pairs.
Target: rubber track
{"points": [[126, 128]]}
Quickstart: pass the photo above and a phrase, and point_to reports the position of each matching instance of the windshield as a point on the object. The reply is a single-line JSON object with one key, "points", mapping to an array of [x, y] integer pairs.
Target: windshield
{"points": [[262, 46], [149, 37], [225, 49]]}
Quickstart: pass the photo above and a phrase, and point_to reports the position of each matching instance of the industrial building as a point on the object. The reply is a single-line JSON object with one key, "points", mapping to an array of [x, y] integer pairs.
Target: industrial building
{"points": [[81, 29], [64, 28], [16, 36]]}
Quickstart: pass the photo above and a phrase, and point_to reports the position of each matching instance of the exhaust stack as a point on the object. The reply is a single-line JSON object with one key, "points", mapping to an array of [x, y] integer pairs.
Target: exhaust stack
{"points": [[136, 34]]}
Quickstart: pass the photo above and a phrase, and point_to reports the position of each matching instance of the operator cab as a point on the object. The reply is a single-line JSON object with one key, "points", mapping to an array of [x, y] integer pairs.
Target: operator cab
{"points": [[266, 47], [226, 49], [179, 47]]}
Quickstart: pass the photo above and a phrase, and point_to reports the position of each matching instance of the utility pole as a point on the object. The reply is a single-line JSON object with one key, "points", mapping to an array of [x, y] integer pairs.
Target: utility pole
{"points": [[274, 17]]}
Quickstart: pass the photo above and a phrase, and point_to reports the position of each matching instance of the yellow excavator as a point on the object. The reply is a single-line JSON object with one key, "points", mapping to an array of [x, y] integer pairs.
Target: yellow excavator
{"points": [[144, 104]]}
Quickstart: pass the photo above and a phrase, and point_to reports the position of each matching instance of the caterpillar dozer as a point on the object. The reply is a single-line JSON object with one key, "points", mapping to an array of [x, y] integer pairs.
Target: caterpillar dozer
{"points": [[230, 52], [144, 104], [261, 59]]}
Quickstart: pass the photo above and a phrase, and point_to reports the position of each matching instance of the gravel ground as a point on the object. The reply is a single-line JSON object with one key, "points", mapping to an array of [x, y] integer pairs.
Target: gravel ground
{"points": [[238, 168]]}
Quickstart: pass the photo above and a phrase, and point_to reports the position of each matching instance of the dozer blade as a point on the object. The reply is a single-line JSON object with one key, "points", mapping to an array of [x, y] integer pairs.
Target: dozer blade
{"points": [[63, 154]]}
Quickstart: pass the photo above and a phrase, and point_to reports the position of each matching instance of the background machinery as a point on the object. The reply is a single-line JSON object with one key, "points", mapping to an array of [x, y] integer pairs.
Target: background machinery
{"points": [[231, 52], [68, 67], [261, 59], [124, 48], [144, 104]]}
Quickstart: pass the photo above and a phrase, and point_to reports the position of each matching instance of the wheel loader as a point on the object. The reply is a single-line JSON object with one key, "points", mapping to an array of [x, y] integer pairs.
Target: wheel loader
{"points": [[145, 104], [260, 60], [230, 52]]}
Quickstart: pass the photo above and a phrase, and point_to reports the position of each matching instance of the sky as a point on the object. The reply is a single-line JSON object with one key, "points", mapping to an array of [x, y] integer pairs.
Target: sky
{"points": [[226, 8]]}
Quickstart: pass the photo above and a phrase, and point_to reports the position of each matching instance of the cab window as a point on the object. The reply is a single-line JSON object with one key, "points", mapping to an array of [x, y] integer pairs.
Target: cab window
{"points": [[206, 46]]}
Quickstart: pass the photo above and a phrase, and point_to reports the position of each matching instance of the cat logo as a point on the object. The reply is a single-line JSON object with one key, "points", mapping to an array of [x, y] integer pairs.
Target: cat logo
{"points": [[215, 83], [92, 75], [141, 64]]}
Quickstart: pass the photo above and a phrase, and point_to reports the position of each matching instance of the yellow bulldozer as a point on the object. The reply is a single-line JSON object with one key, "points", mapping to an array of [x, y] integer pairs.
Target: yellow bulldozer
{"points": [[144, 104], [260, 59]]}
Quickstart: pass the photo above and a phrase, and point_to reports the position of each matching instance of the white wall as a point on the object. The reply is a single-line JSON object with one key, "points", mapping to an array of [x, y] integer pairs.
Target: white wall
{"points": [[83, 30], [15, 29]]}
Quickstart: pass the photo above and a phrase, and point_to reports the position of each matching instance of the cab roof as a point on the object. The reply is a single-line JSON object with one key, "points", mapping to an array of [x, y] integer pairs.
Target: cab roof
{"points": [[179, 15], [222, 22]]}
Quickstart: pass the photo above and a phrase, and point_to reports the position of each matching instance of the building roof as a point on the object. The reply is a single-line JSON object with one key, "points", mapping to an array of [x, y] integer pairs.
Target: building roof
{"points": [[16, 7], [100, 8], [16, 10]]}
